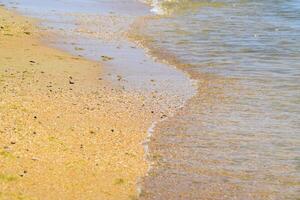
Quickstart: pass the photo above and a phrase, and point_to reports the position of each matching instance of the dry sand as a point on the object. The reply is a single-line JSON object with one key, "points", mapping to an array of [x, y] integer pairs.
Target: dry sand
{"points": [[64, 132]]}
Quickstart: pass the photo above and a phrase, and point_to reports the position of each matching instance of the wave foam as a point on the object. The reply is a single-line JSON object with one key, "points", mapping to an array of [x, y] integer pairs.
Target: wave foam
{"points": [[165, 7]]}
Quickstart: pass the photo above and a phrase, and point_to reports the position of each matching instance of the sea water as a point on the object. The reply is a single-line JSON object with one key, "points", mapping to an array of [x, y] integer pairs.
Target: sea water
{"points": [[239, 137]]}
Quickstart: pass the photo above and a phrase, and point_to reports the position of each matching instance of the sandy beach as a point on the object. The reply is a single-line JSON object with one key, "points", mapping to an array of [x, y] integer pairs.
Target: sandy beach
{"points": [[64, 132], [149, 99]]}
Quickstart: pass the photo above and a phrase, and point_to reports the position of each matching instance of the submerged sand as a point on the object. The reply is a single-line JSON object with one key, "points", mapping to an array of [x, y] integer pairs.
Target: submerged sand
{"points": [[64, 132]]}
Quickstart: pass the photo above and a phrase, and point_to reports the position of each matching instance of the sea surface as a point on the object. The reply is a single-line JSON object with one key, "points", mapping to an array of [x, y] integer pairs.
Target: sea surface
{"points": [[239, 137]]}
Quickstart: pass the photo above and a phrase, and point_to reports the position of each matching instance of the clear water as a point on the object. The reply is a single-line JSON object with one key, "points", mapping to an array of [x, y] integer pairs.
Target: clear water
{"points": [[239, 138]]}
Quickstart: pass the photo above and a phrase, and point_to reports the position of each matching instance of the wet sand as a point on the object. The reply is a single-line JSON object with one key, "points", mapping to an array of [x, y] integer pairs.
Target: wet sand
{"points": [[64, 132]]}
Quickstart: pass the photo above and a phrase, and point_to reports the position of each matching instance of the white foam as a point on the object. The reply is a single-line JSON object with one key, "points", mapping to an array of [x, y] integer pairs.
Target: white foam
{"points": [[156, 6]]}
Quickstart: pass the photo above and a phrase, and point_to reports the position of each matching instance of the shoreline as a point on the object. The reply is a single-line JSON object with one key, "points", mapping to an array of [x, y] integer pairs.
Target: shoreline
{"points": [[116, 103], [166, 97], [162, 100], [34, 159]]}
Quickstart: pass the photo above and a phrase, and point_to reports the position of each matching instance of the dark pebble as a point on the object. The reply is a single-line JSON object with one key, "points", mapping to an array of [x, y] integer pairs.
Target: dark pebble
{"points": [[163, 116]]}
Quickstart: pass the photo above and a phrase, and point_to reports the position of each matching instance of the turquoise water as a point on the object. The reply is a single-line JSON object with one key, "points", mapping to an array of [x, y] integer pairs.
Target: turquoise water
{"points": [[239, 138]]}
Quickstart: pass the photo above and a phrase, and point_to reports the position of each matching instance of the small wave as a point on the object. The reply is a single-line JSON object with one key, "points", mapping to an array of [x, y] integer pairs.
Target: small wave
{"points": [[168, 7]]}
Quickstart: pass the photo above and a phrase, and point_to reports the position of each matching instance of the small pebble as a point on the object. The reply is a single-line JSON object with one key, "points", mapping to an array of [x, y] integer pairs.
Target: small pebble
{"points": [[163, 116]]}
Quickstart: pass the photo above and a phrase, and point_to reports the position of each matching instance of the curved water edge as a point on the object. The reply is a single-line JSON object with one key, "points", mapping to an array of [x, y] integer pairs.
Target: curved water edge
{"points": [[237, 136], [146, 144], [167, 58]]}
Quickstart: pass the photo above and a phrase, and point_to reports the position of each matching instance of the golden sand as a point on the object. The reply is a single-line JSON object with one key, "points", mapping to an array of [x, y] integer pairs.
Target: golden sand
{"points": [[64, 132]]}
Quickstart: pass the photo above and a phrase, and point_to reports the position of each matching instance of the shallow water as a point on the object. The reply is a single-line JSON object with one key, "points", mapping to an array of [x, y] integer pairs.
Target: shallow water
{"points": [[239, 138]]}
